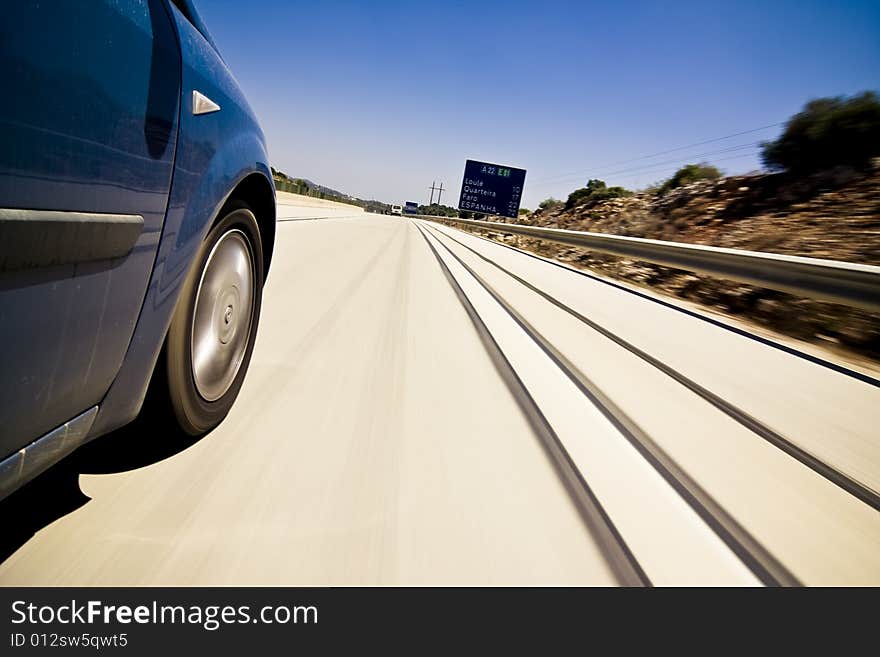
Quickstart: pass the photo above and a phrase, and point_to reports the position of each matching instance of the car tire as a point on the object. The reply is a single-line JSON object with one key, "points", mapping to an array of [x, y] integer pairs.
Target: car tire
{"points": [[212, 333]]}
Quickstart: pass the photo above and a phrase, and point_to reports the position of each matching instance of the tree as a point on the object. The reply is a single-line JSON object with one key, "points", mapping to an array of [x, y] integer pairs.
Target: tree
{"points": [[690, 173], [826, 133], [523, 211]]}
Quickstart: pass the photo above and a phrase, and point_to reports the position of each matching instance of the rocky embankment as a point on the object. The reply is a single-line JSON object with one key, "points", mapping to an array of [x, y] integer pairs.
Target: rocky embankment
{"points": [[833, 215]]}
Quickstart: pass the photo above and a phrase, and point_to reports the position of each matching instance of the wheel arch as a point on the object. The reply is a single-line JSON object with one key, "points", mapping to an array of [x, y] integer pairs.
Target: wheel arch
{"points": [[255, 190]]}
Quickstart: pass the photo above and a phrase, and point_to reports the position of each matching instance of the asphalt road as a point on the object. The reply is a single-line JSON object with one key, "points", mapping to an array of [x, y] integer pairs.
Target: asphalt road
{"points": [[427, 407]]}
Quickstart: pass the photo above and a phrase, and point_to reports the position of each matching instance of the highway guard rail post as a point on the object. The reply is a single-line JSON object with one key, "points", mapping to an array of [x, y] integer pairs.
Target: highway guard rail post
{"points": [[829, 280]]}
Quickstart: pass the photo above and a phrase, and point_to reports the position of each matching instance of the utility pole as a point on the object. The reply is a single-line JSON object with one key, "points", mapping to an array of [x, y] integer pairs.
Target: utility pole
{"points": [[433, 189]]}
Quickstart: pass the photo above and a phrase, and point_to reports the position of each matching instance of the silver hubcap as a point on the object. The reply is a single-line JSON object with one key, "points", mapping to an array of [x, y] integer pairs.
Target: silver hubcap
{"points": [[221, 325]]}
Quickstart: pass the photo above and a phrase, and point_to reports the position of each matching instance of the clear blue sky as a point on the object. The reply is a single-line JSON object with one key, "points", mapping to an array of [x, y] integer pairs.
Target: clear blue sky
{"points": [[380, 98]]}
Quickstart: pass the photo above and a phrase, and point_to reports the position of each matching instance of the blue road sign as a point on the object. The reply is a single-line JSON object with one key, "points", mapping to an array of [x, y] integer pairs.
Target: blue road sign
{"points": [[491, 189]]}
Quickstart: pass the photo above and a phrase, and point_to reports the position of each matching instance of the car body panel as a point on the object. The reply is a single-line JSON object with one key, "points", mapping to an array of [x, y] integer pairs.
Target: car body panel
{"points": [[90, 127], [217, 151], [85, 318]]}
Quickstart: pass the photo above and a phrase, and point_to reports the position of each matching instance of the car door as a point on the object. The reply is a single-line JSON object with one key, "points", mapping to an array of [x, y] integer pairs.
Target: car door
{"points": [[88, 129]]}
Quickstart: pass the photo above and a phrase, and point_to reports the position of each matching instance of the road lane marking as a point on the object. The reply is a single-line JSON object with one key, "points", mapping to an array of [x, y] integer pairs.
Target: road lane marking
{"points": [[832, 474], [614, 547], [669, 540]]}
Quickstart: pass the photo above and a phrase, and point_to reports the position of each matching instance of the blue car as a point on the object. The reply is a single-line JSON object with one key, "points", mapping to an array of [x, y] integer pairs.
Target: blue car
{"points": [[137, 221]]}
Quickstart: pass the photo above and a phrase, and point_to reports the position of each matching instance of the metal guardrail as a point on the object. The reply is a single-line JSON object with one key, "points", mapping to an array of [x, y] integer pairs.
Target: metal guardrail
{"points": [[829, 280]]}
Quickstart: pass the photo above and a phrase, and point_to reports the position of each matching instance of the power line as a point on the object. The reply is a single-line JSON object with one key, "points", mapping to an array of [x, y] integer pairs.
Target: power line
{"points": [[690, 157], [666, 168], [657, 154], [695, 156]]}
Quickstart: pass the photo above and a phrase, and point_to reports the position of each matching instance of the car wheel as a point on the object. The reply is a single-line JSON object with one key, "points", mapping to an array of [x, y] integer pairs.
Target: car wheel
{"points": [[211, 337]]}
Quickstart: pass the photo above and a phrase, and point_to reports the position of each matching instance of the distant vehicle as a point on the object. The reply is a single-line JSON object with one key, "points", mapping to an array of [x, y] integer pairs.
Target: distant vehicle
{"points": [[396, 209], [411, 208], [137, 222]]}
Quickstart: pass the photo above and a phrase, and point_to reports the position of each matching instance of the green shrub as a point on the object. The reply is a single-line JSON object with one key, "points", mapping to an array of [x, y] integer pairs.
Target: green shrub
{"points": [[438, 210], [549, 204], [826, 133], [595, 191], [690, 173], [523, 211]]}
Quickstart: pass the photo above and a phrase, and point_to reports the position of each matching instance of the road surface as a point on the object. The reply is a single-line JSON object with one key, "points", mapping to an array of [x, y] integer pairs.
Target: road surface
{"points": [[428, 407]]}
